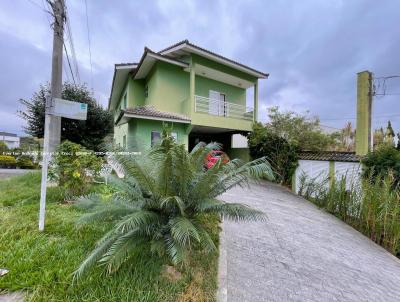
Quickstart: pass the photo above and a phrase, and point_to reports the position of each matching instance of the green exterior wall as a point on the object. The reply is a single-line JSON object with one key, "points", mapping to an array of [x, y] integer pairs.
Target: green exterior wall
{"points": [[140, 133], [241, 153], [119, 132], [168, 88], [173, 89]]}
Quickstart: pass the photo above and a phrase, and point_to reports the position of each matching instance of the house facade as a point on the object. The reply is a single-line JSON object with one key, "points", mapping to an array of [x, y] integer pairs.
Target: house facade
{"points": [[203, 95], [10, 139]]}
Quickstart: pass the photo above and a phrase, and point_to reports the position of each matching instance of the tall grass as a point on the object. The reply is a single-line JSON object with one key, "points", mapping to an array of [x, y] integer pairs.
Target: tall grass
{"points": [[372, 207]]}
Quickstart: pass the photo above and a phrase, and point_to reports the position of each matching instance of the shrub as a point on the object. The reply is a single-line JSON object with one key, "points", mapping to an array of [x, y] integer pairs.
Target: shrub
{"points": [[162, 201], [379, 162], [7, 161], [281, 154], [372, 207], [25, 162], [74, 167]]}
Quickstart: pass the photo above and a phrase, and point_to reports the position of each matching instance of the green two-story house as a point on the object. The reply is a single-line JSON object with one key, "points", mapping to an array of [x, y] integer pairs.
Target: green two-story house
{"points": [[200, 93]]}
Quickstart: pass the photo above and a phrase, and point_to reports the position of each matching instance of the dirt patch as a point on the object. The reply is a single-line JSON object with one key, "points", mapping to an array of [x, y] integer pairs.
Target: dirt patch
{"points": [[171, 273]]}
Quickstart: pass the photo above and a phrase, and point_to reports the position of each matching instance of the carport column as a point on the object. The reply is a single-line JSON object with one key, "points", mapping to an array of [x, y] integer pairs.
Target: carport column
{"points": [[255, 101], [192, 89], [364, 104]]}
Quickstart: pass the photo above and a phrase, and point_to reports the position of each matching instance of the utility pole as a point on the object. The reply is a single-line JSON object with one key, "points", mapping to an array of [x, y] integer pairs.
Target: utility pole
{"points": [[364, 112], [52, 126]]}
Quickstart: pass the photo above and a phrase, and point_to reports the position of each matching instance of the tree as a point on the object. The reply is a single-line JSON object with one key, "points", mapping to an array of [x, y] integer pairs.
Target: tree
{"points": [[298, 130], [382, 161], [343, 140], [280, 153], [398, 141], [389, 134], [3, 148], [379, 137], [89, 133], [162, 202]]}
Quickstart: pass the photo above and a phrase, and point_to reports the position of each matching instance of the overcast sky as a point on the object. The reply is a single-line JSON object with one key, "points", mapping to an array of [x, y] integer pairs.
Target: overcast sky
{"points": [[312, 49]]}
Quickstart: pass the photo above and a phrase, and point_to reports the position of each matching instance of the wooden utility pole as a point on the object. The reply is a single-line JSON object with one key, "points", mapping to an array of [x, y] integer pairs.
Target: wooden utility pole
{"points": [[52, 125]]}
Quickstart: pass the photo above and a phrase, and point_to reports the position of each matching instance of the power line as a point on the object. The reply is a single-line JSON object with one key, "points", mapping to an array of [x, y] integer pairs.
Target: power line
{"points": [[90, 51], [34, 3], [354, 118], [69, 63], [72, 48]]}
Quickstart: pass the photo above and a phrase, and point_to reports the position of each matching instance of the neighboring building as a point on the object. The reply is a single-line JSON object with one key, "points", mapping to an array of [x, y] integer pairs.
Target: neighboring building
{"points": [[10, 139], [202, 94]]}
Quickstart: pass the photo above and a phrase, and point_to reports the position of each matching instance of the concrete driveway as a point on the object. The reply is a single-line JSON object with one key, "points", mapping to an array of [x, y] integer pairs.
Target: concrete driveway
{"points": [[300, 253]]}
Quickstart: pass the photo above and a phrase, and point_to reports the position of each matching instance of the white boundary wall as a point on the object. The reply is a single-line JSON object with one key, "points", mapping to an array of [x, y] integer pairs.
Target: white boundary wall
{"points": [[319, 171]]}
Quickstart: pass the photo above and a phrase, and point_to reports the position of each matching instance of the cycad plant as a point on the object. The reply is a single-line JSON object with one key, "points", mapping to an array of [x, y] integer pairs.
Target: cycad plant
{"points": [[162, 200]]}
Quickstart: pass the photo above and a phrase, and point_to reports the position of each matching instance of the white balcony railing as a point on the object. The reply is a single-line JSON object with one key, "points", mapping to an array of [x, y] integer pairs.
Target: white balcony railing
{"points": [[222, 108]]}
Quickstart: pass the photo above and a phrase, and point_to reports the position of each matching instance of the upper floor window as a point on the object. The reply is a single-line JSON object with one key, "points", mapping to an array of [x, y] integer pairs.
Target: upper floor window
{"points": [[125, 101], [155, 137]]}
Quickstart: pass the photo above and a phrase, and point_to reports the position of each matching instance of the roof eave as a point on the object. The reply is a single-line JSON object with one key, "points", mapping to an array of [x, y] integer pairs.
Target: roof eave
{"points": [[117, 67], [147, 117], [216, 57]]}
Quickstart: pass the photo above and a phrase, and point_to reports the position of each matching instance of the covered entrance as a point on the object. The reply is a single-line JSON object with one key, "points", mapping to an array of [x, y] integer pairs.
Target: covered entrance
{"points": [[220, 135]]}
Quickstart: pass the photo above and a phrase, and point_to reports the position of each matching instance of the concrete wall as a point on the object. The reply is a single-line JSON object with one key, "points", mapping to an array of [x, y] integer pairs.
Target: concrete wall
{"points": [[326, 171]]}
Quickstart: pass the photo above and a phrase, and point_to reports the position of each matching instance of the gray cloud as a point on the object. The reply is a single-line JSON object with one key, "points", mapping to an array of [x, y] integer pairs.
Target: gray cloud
{"points": [[312, 48]]}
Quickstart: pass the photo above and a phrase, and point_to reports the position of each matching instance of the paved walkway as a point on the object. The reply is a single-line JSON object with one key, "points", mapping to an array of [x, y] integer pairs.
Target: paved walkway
{"points": [[300, 254]]}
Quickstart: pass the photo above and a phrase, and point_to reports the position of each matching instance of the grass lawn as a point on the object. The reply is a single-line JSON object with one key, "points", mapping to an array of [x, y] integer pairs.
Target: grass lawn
{"points": [[41, 263]]}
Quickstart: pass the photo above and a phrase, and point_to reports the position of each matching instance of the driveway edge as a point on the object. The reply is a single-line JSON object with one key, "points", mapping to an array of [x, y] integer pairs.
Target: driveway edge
{"points": [[222, 293]]}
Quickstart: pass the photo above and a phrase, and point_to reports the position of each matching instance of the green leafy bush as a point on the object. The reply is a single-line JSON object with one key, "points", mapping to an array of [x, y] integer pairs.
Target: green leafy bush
{"points": [[162, 203], [378, 163], [281, 154], [7, 161], [25, 162], [74, 167]]}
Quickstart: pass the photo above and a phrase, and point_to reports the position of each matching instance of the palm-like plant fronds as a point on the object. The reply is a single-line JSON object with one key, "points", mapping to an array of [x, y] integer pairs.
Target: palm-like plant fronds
{"points": [[161, 201]]}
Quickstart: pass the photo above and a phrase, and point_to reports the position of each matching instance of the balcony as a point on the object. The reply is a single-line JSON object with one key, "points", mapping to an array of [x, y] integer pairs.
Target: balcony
{"points": [[222, 108]]}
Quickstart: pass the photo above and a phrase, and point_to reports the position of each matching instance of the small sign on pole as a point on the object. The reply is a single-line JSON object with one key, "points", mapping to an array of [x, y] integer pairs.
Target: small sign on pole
{"points": [[68, 109], [63, 108]]}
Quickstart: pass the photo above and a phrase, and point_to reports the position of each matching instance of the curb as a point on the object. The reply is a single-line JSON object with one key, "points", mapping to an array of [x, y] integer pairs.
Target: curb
{"points": [[222, 293]]}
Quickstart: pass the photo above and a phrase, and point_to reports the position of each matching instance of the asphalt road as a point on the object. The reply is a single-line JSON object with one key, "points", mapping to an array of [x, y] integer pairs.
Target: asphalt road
{"points": [[6, 173]]}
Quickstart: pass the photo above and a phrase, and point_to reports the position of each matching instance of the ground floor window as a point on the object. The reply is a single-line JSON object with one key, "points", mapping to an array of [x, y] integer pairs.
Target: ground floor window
{"points": [[155, 137], [124, 141]]}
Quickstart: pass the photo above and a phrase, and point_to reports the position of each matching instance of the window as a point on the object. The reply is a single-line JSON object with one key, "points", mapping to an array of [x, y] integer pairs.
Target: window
{"points": [[155, 137], [217, 105], [124, 142], [174, 136], [125, 101]]}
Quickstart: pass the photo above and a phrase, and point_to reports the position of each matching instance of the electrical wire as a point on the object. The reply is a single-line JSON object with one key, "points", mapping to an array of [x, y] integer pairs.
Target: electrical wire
{"points": [[69, 63], [90, 50], [72, 48]]}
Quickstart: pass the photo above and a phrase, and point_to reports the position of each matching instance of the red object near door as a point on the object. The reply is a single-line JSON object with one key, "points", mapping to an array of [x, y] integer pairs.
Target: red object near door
{"points": [[214, 156]]}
